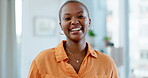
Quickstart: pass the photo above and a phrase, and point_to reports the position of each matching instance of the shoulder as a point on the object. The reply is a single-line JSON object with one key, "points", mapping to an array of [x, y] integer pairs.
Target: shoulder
{"points": [[106, 62], [45, 54], [44, 60], [106, 59]]}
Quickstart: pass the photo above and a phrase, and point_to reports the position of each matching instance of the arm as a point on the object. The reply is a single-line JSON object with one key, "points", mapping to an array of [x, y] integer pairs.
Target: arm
{"points": [[34, 72], [114, 72]]}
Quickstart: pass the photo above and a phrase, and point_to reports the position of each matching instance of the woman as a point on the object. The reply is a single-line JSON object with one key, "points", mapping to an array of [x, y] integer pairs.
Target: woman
{"points": [[73, 57]]}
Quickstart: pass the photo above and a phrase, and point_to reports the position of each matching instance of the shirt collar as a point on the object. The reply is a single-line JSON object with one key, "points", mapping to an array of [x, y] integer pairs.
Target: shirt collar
{"points": [[61, 55], [91, 51]]}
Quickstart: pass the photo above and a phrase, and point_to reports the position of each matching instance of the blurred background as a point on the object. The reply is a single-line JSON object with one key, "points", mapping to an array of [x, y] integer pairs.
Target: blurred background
{"points": [[28, 27]]}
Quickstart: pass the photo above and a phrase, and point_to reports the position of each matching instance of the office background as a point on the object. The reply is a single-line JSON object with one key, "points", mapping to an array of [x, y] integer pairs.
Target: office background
{"points": [[29, 26]]}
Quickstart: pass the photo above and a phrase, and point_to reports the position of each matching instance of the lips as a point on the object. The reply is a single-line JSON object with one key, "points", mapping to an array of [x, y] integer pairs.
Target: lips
{"points": [[77, 28]]}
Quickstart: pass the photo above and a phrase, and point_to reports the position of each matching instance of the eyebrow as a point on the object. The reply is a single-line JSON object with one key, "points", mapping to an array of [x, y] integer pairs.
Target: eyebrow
{"points": [[66, 14], [80, 12], [77, 13]]}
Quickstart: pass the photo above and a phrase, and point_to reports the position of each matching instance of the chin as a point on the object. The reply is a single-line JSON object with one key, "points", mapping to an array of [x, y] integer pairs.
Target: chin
{"points": [[77, 39]]}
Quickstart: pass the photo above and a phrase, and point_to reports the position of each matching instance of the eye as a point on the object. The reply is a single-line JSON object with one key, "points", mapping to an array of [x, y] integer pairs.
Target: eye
{"points": [[81, 16], [67, 18]]}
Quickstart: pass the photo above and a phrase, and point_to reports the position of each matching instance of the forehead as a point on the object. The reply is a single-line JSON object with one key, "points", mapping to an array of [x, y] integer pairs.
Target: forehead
{"points": [[73, 7]]}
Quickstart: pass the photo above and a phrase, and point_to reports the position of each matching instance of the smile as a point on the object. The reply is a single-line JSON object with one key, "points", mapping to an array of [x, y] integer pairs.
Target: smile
{"points": [[77, 28]]}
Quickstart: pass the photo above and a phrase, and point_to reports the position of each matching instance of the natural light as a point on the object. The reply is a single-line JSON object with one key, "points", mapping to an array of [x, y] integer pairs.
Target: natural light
{"points": [[18, 16]]}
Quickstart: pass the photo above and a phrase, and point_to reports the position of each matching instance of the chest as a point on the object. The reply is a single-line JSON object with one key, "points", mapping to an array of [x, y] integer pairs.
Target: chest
{"points": [[85, 69], [76, 62]]}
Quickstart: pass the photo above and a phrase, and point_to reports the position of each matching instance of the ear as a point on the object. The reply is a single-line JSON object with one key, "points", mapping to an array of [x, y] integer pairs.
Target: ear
{"points": [[89, 22], [60, 26]]}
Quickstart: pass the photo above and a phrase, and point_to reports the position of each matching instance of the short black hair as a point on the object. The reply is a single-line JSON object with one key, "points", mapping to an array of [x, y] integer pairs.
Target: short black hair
{"points": [[69, 1]]}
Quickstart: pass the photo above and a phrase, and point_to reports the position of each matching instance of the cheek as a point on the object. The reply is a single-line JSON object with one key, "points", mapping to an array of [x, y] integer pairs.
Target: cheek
{"points": [[64, 26], [86, 23], [64, 23]]}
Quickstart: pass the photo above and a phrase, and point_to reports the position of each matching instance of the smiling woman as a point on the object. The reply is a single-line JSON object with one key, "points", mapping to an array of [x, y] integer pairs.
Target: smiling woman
{"points": [[78, 18], [73, 57]]}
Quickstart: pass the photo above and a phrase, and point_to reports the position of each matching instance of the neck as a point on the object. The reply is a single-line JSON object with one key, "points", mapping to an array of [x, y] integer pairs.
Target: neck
{"points": [[76, 47]]}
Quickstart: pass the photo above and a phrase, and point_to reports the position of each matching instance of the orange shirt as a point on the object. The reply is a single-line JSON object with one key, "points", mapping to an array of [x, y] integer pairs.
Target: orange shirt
{"points": [[52, 63]]}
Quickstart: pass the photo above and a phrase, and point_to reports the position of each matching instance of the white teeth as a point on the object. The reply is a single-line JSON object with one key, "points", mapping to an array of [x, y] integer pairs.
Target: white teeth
{"points": [[76, 29]]}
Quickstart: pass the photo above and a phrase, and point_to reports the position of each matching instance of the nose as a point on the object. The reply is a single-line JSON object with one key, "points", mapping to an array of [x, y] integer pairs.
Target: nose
{"points": [[74, 21]]}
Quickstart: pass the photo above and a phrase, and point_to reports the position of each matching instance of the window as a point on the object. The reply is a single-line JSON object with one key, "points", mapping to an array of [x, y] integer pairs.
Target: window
{"points": [[138, 33], [144, 54], [112, 20], [18, 23], [138, 25]]}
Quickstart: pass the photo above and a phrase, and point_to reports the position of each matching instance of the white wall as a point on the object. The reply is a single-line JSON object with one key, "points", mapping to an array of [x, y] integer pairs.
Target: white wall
{"points": [[32, 44]]}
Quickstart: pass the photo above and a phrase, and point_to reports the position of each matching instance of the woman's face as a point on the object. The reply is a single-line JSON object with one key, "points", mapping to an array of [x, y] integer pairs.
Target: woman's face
{"points": [[74, 21]]}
